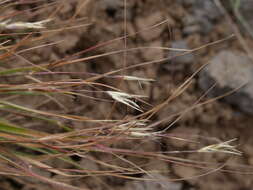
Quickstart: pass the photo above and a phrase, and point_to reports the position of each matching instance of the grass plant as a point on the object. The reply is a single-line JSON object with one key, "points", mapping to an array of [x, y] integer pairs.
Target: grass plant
{"points": [[26, 149]]}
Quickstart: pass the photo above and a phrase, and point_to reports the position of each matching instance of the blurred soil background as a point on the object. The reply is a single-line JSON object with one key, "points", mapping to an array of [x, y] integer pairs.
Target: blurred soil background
{"points": [[184, 24]]}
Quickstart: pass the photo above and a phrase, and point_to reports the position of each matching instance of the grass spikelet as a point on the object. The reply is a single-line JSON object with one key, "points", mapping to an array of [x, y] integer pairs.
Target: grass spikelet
{"points": [[139, 79], [223, 147], [136, 128], [24, 25], [125, 98]]}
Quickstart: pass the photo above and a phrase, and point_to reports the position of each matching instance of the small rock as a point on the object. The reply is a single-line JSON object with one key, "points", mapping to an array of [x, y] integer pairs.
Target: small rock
{"points": [[188, 2], [202, 17], [188, 30], [230, 70], [246, 8], [207, 8], [160, 183], [198, 23], [190, 20], [149, 21], [205, 25], [112, 3], [180, 59]]}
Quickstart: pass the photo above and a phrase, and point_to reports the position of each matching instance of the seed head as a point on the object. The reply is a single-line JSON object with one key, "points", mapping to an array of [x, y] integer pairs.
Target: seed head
{"points": [[23, 25], [125, 98], [223, 147]]}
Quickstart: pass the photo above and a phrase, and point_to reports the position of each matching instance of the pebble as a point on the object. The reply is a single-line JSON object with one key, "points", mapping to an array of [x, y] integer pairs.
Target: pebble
{"points": [[187, 2], [192, 29], [247, 6], [159, 183], [204, 13], [147, 22], [208, 9], [182, 59], [246, 9], [230, 70]]}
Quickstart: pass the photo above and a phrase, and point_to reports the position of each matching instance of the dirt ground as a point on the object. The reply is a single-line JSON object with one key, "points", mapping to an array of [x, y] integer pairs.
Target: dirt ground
{"points": [[179, 24]]}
